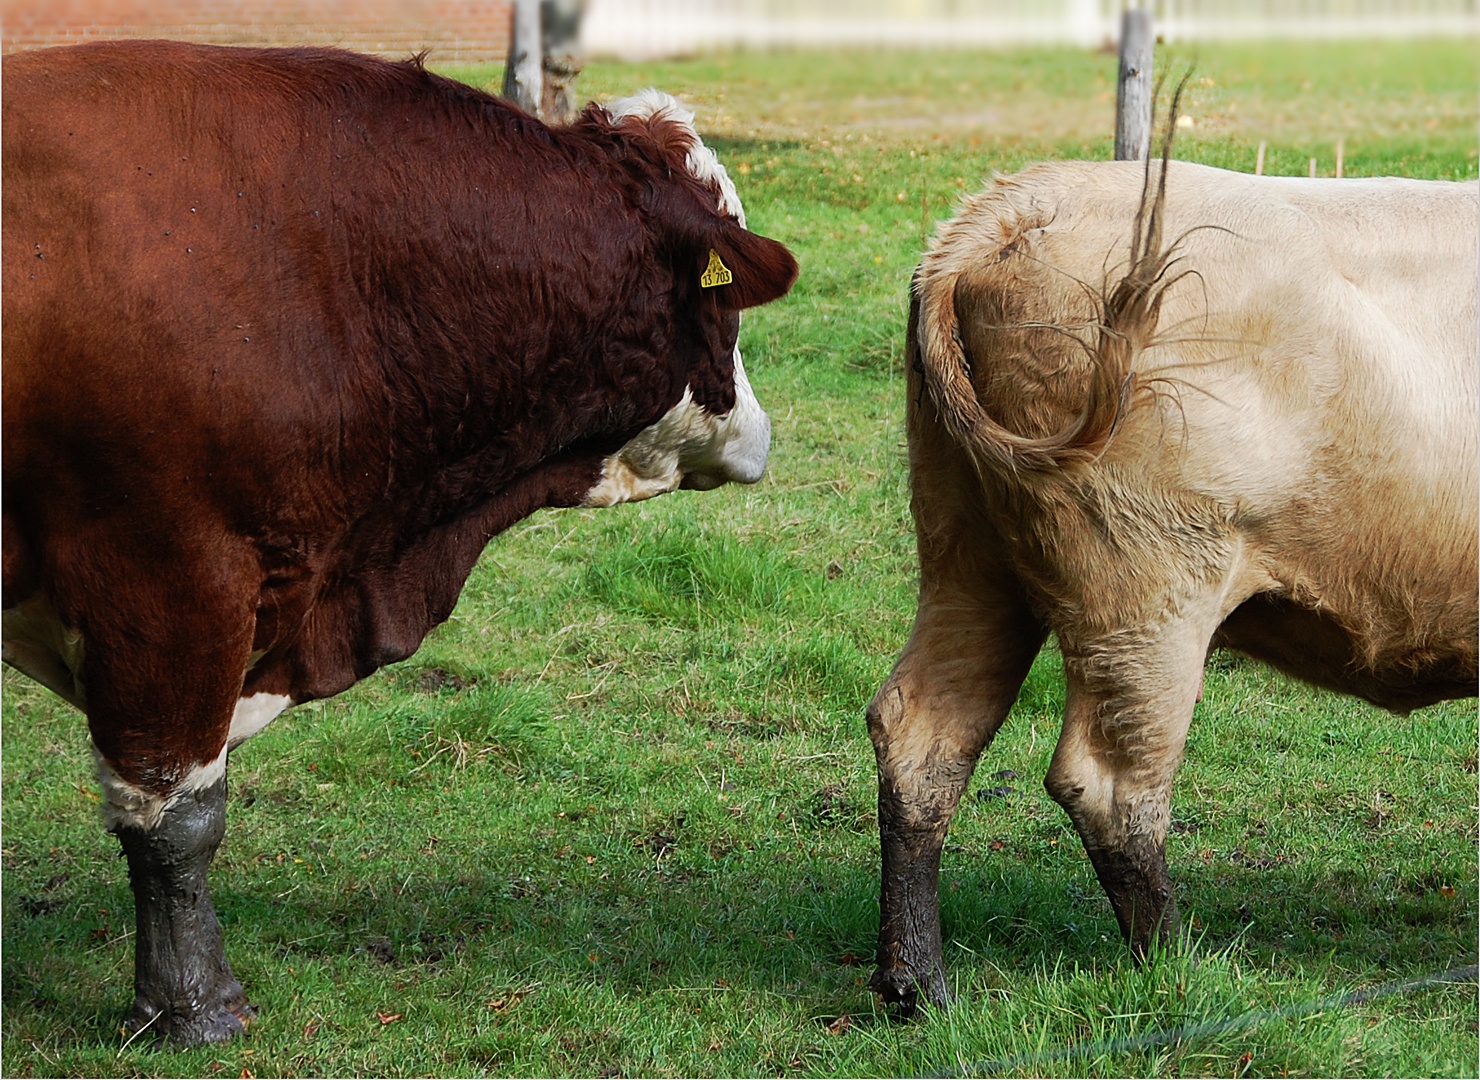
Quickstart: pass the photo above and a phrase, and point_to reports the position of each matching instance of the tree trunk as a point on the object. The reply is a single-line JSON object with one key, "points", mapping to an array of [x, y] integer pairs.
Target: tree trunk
{"points": [[560, 24], [522, 74]]}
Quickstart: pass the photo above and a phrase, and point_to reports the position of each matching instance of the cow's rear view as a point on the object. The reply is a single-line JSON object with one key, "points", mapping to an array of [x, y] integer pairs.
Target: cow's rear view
{"points": [[1244, 416], [289, 335]]}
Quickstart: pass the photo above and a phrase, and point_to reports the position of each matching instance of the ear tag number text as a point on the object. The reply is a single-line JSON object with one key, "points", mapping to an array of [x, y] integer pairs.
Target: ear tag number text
{"points": [[716, 273]]}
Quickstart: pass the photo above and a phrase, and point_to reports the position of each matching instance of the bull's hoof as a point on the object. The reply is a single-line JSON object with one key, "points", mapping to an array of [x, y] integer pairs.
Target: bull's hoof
{"points": [[903, 990], [185, 1028]]}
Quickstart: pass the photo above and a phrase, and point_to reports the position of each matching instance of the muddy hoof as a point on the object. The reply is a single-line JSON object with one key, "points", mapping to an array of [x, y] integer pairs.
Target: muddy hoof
{"points": [[182, 1029], [904, 991]]}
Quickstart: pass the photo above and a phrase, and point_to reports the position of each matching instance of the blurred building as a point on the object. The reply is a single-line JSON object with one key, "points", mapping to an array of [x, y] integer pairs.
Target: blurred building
{"points": [[455, 31], [674, 27]]}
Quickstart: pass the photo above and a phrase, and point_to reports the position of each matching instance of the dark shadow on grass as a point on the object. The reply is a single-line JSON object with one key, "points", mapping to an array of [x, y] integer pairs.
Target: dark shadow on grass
{"points": [[774, 920], [804, 928]]}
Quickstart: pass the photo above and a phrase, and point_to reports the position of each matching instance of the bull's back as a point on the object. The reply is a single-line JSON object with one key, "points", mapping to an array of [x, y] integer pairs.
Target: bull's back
{"points": [[158, 286]]}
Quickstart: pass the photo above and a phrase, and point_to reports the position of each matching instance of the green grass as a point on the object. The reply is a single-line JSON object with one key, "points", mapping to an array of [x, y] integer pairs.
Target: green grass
{"points": [[617, 816]]}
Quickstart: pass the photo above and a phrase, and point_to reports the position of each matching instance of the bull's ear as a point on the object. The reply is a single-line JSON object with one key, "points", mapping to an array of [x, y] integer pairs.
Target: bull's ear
{"points": [[743, 269]]}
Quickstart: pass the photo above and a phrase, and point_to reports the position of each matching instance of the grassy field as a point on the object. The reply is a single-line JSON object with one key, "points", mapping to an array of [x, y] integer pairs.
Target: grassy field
{"points": [[617, 817]]}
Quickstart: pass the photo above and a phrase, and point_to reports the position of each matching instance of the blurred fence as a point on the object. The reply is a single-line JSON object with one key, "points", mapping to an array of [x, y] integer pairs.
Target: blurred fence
{"points": [[473, 30], [635, 28]]}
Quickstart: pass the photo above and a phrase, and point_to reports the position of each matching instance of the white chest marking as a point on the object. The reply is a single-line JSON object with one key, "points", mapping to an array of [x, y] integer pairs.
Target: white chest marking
{"points": [[253, 714], [128, 804]]}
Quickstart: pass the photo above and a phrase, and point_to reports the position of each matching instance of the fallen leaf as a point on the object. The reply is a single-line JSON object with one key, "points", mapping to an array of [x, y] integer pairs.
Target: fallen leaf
{"points": [[840, 1025], [388, 1018]]}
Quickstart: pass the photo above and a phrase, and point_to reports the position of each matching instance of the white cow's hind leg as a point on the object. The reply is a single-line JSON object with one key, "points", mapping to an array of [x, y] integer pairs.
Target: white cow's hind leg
{"points": [[1128, 706], [973, 641], [943, 702]]}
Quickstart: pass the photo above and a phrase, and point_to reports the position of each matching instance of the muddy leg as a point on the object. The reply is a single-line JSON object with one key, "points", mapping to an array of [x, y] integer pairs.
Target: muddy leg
{"points": [[929, 723], [974, 639], [973, 642], [1128, 707], [184, 989]]}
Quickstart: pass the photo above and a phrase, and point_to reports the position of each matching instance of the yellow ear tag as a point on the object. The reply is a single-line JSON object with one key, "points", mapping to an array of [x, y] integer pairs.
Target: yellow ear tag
{"points": [[716, 273]]}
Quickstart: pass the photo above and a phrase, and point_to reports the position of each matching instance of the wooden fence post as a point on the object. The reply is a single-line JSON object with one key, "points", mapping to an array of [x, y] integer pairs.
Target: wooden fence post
{"points": [[522, 75], [1133, 94]]}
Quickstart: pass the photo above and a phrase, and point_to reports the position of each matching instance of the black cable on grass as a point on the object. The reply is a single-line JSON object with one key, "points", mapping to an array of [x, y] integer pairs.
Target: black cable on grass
{"points": [[1185, 1033]]}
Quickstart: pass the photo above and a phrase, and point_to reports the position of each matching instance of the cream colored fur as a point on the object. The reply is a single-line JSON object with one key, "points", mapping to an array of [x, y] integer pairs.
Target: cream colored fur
{"points": [[1311, 428], [1284, 414]]}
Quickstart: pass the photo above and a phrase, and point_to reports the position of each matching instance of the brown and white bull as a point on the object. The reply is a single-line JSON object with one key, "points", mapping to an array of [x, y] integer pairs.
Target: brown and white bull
{"points": [[288, 337], [1249, 423]]}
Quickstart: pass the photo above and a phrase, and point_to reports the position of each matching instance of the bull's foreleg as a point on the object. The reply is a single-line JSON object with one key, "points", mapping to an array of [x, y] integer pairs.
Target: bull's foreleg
{"points": [[1128, 706], [184, 989], [945, 699], [163, 678]]}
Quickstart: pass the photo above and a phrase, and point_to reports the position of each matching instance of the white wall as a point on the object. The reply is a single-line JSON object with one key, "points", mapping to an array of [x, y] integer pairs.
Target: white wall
{"points": [[651, 28]]}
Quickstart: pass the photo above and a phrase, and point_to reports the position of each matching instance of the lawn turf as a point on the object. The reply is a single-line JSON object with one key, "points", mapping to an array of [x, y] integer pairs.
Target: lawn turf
{"points": [[617, 816]]}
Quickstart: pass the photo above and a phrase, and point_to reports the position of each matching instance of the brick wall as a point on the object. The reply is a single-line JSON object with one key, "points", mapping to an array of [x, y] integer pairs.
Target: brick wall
{"points": [[455, 31]]}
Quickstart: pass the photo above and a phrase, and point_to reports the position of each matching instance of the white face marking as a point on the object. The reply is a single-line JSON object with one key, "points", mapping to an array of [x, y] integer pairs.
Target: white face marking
{"points": [[689, 442], [253, 714], [653, 104], [39, 646]]}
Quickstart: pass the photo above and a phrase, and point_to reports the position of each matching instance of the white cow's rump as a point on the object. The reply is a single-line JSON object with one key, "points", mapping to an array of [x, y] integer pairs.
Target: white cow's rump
{"points": [[1243, 417]]}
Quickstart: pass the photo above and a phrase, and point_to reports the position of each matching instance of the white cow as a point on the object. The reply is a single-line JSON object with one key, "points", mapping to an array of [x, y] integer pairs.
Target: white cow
{"points": [[1240, 415]]}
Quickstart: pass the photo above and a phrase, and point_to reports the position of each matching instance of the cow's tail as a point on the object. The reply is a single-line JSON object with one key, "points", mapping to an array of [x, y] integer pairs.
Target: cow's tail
{"points": [[1127, 313]]}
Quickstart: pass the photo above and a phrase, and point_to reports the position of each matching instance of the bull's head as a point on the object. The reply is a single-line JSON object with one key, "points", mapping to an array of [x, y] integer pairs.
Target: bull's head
{"points": [[717, 432]]}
